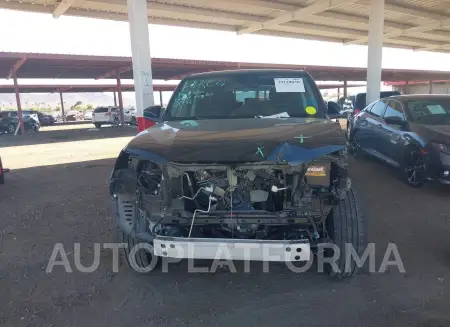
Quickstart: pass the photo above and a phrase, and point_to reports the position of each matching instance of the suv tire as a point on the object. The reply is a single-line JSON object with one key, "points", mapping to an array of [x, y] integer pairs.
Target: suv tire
{"points": [[97, 125], [346, 228], [2, 173]]}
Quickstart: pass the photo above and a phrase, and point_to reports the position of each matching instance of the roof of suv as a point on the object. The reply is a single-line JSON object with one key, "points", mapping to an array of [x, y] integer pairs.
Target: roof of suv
{"points": [[248, 72]]}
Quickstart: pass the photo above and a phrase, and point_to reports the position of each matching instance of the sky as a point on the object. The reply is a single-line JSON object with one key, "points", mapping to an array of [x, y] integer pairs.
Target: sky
{"points": [[32, 32]]}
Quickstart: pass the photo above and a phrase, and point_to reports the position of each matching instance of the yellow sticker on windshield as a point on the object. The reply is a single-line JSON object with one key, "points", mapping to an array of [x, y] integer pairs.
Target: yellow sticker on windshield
{"points": [[311, 110]]}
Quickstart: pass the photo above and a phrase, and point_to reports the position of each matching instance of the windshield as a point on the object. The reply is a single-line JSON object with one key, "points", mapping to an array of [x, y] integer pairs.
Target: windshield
{"points": [[246, 96], [430, 112], [101, 109]]}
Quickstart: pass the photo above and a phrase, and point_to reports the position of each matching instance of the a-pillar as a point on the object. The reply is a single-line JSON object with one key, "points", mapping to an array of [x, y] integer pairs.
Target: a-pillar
{"points": [[140, 50], [119, 94], [375, 50], [19, 106], [62, 106]]}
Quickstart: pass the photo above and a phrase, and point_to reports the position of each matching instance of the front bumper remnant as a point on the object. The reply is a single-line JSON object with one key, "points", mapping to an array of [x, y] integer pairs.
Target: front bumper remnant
{"points": [[232, 249]]}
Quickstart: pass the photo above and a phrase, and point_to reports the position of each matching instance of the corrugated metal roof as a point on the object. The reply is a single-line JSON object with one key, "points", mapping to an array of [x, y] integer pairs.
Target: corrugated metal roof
{"points": [[347, 17], [40, 65]]}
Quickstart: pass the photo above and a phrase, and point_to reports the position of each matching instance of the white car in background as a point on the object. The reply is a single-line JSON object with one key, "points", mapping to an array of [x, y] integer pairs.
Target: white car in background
{"points": [[111, 116], [88, 115]]}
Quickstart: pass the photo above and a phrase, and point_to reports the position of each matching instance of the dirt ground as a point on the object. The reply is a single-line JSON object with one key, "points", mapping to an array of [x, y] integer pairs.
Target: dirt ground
{"points": [[57, 193]]}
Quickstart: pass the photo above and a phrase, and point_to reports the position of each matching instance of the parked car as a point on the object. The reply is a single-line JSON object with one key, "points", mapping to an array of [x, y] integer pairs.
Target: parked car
{"points": [[111, 116], [32, 114], [46, 120], [88, 115], [218, 168], [360, 103], [9, 120], [74, 115], [409, 132]]}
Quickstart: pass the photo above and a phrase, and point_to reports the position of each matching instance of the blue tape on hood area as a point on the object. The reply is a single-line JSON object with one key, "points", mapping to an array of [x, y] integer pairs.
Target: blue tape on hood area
{"points": [[294, 155]]}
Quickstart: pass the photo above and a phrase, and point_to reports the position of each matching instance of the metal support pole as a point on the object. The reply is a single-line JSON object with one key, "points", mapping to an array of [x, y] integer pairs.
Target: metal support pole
{"points": [[160, 98], [115, 99], [345, 89], [140, 50], [119, 93], [339, 93], [431, 87], [19, 106], [406, 87], [62, 106], [375, 50]]}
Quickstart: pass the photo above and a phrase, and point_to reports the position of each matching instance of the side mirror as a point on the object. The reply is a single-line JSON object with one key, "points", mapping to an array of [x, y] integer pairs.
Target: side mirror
{"points": [[153, 113], [334, 110], [395, 121]]}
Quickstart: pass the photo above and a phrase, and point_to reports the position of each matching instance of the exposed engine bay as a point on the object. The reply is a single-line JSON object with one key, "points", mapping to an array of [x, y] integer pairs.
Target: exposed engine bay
{"points": [[248, 201]]}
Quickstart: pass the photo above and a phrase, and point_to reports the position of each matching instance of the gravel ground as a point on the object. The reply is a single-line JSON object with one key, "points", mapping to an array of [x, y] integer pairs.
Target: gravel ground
{"points": [[63, 198]]}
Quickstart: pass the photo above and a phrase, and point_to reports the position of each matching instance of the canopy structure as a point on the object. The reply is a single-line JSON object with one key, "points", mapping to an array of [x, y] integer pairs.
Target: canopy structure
{"points": [[44, 65], [412, 24], [78, 88]]}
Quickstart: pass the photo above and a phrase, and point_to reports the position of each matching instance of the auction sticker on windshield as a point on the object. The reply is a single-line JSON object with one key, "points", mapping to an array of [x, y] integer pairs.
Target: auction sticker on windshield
{"points": [[436, 109], [289, 85]]}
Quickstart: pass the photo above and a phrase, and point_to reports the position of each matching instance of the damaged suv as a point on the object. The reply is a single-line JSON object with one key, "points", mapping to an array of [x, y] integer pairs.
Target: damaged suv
{"points": [[239, 160]]}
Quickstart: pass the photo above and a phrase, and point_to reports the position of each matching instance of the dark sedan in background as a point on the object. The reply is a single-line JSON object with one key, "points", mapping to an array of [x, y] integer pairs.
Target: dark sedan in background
{"points": [[46, 120], [359, 103], [9, 121], [410, 132]]}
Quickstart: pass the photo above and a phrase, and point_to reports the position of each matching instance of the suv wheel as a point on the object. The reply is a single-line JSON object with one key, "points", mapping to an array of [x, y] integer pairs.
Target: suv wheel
{"points": [[97, 125], [133, 121], [130, 219], [345, 226]]}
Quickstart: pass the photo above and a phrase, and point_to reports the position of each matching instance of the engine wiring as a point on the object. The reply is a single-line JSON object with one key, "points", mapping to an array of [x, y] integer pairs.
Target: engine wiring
{"points": [[211, 198]]}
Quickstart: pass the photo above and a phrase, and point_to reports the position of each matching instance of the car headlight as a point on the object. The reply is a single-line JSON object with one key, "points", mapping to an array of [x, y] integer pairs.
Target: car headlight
{"points": [[442, 147]]}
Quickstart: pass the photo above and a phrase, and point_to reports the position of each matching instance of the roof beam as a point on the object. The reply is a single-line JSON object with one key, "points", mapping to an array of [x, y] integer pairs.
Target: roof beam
{"points": [[16, 67], [327, 17], [63, 89], [316, 7], [407, 31], [62, 7], [401, 7], [432, 47], [113, 72]]}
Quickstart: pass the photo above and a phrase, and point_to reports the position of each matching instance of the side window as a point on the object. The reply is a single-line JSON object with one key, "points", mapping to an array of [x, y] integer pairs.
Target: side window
{"points": [[394, 109], [378, 109], [368, 108]]}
